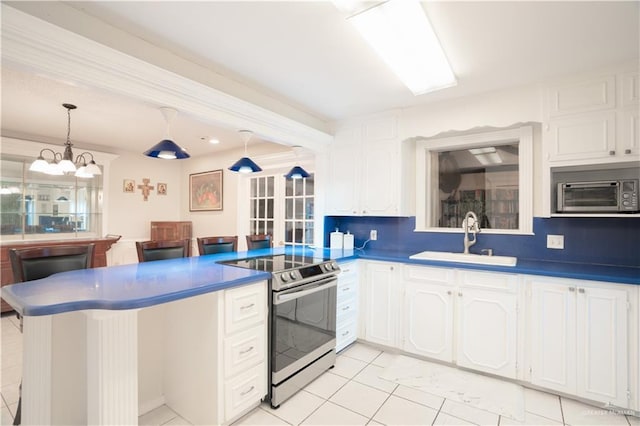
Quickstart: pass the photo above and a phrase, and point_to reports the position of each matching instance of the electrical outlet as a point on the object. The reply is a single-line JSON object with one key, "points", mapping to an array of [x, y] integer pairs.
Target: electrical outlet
{"points": [[555, 242], [373, 235]]}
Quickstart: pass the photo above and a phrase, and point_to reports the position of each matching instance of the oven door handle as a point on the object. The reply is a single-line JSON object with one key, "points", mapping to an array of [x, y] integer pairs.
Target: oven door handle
{"points": [[305, 291]]}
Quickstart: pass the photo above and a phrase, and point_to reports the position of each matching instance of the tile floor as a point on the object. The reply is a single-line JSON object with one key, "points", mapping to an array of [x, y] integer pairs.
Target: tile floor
{"points": [[349, 394]]}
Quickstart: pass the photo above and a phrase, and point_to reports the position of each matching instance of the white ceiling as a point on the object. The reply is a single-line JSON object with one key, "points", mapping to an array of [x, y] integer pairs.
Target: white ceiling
{"points": [[306, 55]]}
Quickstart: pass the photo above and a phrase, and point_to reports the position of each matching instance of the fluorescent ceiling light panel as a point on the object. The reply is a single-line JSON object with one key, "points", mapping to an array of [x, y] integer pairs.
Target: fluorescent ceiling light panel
{"points": [[400, 32]]}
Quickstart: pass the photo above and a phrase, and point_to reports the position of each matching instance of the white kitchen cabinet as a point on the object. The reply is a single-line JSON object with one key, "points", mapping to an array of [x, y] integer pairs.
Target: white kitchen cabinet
{"points": [[428, 312], [579, 333], [370, 172], [466, 317], [487, 322], [347, 305], [593, 121], [245, 349], [382, 290]]}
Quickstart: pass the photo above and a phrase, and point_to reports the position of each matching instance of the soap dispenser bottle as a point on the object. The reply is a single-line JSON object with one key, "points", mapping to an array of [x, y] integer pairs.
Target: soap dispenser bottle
{"points": [[336, 240]]}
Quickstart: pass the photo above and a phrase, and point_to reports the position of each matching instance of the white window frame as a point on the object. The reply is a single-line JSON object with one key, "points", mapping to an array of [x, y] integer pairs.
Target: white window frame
{"points": [[426, 152]]}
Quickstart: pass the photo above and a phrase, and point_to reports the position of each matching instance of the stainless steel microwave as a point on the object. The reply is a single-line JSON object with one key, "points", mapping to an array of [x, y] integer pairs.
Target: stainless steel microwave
{"points": [[610, 196]]}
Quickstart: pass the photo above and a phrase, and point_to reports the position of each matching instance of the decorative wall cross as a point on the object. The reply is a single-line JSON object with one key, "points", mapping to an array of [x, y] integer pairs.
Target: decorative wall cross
{"points": [[146, 188]]}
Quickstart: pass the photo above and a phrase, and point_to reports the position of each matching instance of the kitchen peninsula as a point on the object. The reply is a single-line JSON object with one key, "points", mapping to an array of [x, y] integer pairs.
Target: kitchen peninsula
{"points": [[100, 344]]}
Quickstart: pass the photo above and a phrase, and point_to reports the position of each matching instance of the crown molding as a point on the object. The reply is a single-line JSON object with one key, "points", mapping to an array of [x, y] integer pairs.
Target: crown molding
{"points": [[42, 47]]}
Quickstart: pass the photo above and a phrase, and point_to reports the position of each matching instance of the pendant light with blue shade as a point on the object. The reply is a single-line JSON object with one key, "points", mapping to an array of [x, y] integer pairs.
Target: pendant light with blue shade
{"points": [[245, 164], [297, 172], [166, 148]]}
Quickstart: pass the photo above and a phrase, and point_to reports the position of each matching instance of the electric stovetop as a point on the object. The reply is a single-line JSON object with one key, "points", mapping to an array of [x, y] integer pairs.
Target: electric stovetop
{"points": [[276, 262]]}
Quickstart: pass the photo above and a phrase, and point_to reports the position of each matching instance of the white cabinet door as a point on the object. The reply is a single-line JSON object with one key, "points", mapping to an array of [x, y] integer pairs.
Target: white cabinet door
{"points": [[602, 354], [579, 339], [428, 320], [553, 343], [382, 289], [344, 173], [380, 194], [487, 331], [586, 136]]}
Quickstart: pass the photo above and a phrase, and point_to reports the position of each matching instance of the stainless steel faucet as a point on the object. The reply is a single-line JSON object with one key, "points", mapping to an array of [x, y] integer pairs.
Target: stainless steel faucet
{"points": [[470, 224]]}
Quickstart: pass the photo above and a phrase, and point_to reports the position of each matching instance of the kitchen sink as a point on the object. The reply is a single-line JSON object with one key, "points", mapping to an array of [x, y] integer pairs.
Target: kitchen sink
{"points": [[443, 256]]}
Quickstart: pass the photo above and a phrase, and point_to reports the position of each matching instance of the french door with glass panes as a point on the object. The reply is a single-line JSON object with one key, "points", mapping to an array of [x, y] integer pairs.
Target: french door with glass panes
{"points": [[282, 207]]}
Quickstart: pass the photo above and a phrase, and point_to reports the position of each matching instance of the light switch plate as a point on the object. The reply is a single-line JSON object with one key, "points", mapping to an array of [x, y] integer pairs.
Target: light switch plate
{"points": [[555, 242]]}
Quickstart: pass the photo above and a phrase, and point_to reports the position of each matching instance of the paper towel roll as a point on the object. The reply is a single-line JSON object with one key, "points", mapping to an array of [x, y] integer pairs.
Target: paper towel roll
{"points": [[335, 239], [347, 241]]}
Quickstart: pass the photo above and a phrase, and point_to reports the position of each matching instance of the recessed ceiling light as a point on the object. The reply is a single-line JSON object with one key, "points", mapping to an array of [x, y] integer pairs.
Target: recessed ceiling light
{"points": [[211, 140]]}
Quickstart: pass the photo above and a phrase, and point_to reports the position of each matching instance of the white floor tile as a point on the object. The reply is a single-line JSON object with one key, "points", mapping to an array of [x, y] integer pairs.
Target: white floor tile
{"points": [[6, 417], [543, 404], [415, 395], [158, 416], [445, 419], [577, 413], [347, 367], [10, 393], [326, 385], [374, 423], [177, 421], [633, 420], [398, 411], [361, 352], [297, 408], [260, 417], [360, 398], [10, 375], [384, 359], [370, 376], [469, 413], [333, 414], [529, 419]]}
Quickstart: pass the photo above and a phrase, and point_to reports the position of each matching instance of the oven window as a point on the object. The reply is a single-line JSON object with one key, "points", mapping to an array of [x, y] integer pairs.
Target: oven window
{"points": [[591, 197], [302, 325]]}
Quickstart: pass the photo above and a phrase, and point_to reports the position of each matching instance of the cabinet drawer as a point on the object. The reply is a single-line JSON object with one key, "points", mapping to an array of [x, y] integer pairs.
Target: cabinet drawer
{"points": [[489, 280], [348, 271], [244, 307], [428, 274], [347, 290], [244, 350], [346, 333], [244, 391], [347, 307]]}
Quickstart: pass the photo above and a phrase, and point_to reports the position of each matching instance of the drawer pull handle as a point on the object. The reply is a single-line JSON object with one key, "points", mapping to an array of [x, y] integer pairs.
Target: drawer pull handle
{"points": [[250, 305], [249, 349], [449, 292], [247, 391], [572, 289], [581, 290], [460, 294], [346, 333], [627, 151], [612, 152], [346, 289], [346, 308]]}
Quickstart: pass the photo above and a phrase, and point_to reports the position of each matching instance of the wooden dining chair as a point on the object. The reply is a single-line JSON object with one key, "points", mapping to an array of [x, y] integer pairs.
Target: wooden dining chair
{"points": [[163, 249], [259, 241], [39, 262], [213, 245], [34, 263]]}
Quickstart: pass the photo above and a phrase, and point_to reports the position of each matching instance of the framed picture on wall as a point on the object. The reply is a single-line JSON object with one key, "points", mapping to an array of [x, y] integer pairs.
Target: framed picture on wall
{"points": [[129, 186], [162, 189], [205, 191]]}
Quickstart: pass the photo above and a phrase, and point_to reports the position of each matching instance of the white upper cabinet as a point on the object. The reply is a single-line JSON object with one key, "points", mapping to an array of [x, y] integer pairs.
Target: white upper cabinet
{"points": [[593, 120], [367, 168]]}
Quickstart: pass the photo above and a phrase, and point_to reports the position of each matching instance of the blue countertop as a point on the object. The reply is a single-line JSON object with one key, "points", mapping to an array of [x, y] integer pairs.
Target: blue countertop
{"points": [[146, 284]]}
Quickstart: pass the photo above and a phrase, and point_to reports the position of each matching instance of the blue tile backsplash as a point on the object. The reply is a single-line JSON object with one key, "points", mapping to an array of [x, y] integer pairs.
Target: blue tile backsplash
{"points": [[609, 241]]}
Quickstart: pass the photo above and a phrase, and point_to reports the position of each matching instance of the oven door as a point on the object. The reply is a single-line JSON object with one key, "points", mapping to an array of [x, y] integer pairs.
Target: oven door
{"points": [[303, 326]]}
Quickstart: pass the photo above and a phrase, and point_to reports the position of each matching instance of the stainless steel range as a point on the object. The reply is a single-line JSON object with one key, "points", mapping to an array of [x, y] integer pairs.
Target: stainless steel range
{"points": [[302, 321]]}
